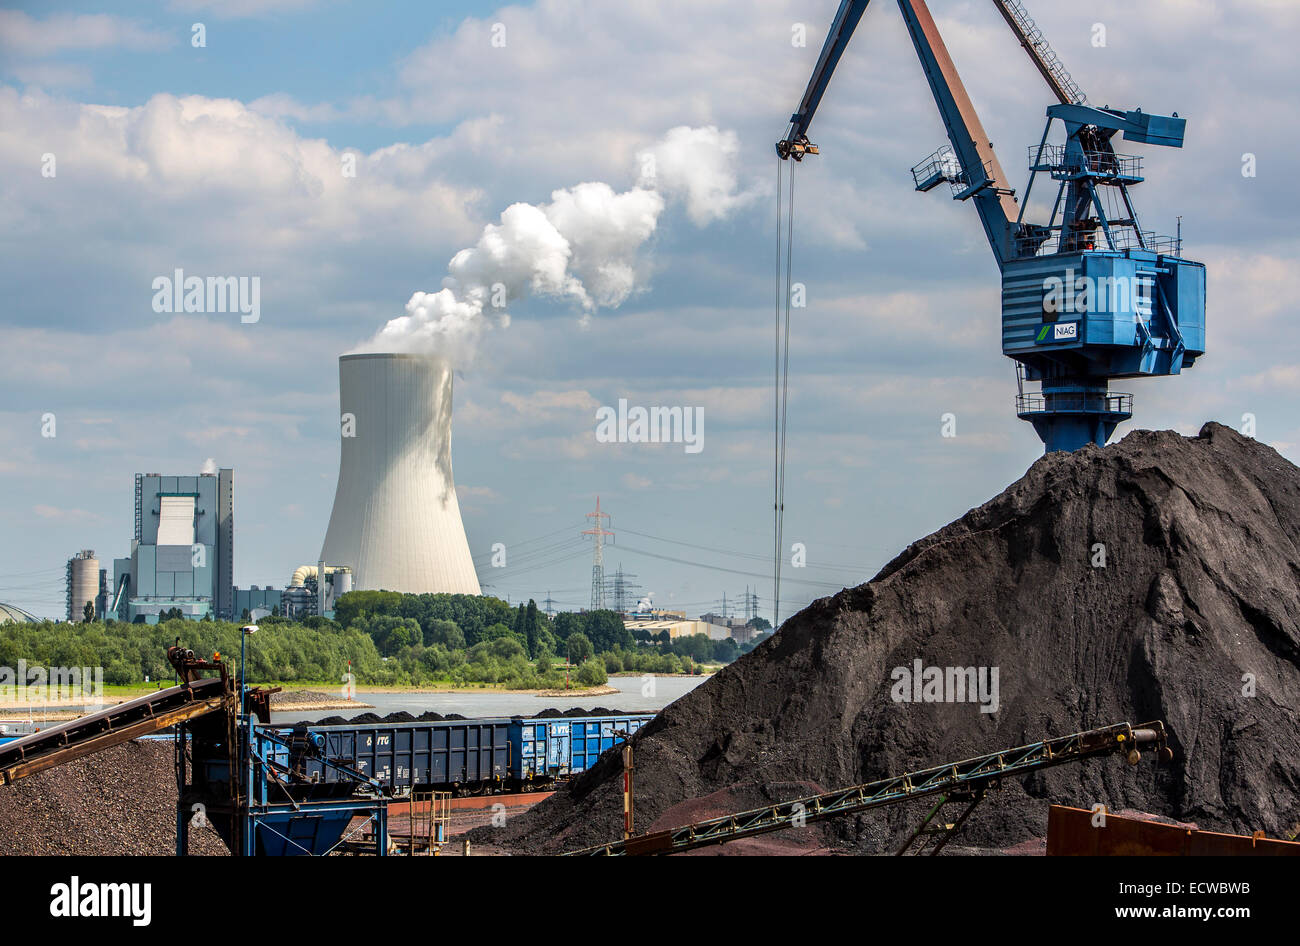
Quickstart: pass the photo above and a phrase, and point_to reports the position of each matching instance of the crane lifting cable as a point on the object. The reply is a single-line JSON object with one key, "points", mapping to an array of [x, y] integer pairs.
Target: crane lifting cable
{"points": [[781, 375]]}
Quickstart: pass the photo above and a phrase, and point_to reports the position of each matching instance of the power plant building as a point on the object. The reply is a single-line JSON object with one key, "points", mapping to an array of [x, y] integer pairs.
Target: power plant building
{"points": [[396, 522], [182, 554], [248, 600]]}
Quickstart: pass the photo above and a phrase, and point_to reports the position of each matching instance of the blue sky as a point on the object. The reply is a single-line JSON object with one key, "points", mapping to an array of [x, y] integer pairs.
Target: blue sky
{"points": [[224, 160]]}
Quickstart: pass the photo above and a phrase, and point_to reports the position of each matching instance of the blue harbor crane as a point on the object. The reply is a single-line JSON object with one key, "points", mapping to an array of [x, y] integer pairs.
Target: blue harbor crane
{"points": [[1087, 297]]}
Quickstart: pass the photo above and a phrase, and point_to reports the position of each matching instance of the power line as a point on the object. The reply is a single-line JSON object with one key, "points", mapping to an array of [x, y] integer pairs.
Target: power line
{"points": [[733, 571], [749, 555]]}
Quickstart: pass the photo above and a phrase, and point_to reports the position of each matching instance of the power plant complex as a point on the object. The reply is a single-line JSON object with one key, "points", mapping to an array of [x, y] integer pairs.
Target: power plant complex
{"points": [[396, 521]]}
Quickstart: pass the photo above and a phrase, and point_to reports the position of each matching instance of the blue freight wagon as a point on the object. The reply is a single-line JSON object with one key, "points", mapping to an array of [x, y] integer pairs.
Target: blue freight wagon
{"points": [[467, 755], [563, 746]]}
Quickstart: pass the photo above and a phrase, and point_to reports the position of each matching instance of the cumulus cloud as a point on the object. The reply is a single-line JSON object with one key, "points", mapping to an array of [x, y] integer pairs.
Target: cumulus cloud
{"points": [[330, 226], [584, 246]]}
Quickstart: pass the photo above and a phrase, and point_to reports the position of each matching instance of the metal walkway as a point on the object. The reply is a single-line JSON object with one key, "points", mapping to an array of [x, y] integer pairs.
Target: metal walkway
{"points": [[966, 781], [64, 742]]}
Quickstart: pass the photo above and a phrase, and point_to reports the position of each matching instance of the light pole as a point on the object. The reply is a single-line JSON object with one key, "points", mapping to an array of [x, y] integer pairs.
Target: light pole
{"points": [[244, 632]]}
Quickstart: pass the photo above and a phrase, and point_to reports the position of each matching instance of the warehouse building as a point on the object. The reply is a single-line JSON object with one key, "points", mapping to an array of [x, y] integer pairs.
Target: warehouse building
{"points": [[678, 628]]}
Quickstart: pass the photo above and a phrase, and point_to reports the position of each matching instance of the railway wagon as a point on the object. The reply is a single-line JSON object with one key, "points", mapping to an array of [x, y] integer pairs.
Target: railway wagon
{"points": [[564, 746], [463, 754], [468, 755]]}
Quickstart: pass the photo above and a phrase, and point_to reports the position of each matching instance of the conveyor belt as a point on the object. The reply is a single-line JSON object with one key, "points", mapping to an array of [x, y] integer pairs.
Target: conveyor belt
{"points": [[968, 779], [64, 742]]}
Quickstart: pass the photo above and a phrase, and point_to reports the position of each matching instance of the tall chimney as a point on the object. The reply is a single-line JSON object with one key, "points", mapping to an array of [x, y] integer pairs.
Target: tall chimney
{"points": [[396, 521]]}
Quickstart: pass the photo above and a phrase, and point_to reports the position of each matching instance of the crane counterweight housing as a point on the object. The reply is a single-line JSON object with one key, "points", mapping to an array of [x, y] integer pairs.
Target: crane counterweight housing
{"points": [[1087, 297]]}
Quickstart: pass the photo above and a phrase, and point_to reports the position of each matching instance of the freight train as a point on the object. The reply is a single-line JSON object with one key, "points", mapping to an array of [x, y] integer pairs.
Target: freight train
{"points": [[462, 756]]}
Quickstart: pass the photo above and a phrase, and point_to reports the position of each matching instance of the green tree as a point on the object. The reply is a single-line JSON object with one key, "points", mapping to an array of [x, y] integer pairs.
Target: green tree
{"points": [[496, 630], [567, 623], [592, 673], [446, 633], [88, 613], [532, 627], [605, 630], [578, 648]]}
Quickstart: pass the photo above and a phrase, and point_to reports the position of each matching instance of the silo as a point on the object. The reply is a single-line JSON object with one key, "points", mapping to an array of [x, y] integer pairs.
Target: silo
{"points": [[83, 583], [396, 522]]}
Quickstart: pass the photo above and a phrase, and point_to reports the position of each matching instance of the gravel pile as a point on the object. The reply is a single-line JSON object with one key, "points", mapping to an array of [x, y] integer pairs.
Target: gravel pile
{"points": [[288, 700], [119, 801], [1194, 620]]}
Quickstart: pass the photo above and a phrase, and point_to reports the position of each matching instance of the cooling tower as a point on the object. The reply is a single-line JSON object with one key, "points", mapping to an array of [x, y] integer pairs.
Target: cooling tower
{"points": [[396, 521]]}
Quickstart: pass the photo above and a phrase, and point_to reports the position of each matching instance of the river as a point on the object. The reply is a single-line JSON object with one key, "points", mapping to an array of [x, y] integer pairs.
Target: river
{"points": [[649, 693]]}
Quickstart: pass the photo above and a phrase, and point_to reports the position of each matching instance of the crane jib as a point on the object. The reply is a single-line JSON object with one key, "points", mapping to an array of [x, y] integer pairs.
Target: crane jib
{"points": [[1093, 231]]}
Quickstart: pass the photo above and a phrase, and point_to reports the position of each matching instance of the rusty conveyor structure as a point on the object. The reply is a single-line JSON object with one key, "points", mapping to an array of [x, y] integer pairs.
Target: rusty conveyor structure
{"points": [[965, 782], [123, 722], [234, 771]]}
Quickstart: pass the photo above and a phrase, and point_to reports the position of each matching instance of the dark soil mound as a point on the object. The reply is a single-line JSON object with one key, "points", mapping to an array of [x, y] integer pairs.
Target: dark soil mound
{"points": [[1197, 599]]}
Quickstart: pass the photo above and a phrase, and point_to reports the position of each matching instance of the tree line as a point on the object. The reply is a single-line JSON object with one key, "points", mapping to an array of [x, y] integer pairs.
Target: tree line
{"points": [[383, 638]]}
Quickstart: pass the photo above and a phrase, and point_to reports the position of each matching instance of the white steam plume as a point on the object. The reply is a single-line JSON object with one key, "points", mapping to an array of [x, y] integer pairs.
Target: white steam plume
{"points": [[583, 246]]}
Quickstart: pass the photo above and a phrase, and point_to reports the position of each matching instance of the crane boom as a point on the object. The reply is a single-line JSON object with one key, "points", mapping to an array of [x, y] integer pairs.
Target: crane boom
{"points": [[977, 172], [1087, 297], [981, 173], [1058, 78], [795, 143]]}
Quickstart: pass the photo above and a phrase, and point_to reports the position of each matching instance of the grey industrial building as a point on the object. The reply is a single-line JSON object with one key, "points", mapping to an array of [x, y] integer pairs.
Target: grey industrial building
{"points": [[248, 600], [182, 553]]}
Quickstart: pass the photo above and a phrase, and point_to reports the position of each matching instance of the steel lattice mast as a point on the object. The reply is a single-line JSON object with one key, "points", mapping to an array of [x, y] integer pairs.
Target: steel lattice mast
{"points": [[598, 533]]}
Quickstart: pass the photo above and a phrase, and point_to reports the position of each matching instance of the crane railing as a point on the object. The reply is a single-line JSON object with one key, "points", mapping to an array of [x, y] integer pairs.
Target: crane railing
{"points": [[1074, 404], [1061, 163]]}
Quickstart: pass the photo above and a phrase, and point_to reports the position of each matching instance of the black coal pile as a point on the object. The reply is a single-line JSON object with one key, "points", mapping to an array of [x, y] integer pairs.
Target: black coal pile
{"points": [[431, 717], [1155, 579], [119, 801]]}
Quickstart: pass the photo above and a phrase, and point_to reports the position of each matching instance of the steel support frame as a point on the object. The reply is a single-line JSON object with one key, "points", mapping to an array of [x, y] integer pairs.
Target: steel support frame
{"points": [[971, 775]]}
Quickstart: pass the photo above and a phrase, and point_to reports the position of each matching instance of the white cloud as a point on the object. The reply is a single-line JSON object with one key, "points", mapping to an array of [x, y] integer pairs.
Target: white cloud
{"points": [[24, 35]]}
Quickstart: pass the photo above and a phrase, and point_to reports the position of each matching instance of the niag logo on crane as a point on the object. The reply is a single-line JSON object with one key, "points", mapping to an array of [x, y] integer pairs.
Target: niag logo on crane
{"points": [[1059, 332]]}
